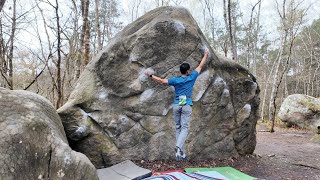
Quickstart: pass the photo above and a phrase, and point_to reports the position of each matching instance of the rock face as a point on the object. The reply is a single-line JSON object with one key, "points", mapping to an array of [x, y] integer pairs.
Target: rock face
{"points": [[117, 113], [316, 139], [33, 144], [301, 110]]}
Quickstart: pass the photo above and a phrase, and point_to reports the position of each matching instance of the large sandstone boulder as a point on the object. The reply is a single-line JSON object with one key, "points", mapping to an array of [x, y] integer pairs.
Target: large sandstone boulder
{"points": [[33, 144], [116, 113], [302, 111]]}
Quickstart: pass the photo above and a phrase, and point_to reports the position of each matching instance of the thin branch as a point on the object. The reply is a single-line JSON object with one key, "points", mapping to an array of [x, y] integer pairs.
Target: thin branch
{"points": [[304, 165], [26, 12], [35, 79]]}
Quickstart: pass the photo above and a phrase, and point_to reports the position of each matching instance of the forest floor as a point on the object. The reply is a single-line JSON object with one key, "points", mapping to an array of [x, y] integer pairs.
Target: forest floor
{"points": [[284, 154]]}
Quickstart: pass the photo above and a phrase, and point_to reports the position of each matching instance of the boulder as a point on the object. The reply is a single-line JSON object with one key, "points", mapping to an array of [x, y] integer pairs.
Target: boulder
{"points": [[116, 113], [302, 111], [33, 144]]}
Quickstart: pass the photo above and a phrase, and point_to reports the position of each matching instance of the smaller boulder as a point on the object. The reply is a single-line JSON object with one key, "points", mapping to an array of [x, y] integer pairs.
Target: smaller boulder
{"points": [[33, 144], [302, 111]]}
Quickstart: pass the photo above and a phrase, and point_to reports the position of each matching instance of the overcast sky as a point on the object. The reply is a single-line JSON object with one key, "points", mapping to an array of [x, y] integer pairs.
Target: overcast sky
{"points": [[269, 17]]}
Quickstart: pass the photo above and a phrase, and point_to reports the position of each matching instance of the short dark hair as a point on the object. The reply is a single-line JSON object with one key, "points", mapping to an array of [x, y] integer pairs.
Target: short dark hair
{"points": [[184, 67]]}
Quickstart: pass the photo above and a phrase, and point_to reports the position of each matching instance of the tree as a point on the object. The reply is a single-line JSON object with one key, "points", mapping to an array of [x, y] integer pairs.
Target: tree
{"points": [[85, 30], [3, 62], [97, 24], [109, 23], [291, 21], [252, 32], [59, 83], [209, 5], [162, 3], [10, 26], [10, 56], [230, 19]]}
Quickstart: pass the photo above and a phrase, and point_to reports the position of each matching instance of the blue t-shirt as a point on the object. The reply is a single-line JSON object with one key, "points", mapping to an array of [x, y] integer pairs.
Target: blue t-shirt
{"points": [[183, 86]]}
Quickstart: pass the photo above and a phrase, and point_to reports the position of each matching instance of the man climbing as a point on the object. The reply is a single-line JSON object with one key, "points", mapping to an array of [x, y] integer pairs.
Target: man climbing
{"points": [[182, 108]]}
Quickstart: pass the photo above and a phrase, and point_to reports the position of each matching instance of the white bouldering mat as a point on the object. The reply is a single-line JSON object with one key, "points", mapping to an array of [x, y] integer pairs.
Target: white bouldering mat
{"points": [[123, 171]]}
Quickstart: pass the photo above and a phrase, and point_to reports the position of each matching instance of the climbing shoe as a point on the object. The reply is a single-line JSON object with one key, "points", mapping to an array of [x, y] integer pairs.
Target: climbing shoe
{"points": [[180, 155]]}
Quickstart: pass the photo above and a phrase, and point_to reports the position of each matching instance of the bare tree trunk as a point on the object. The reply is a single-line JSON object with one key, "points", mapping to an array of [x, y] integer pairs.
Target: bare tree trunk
{"points": [[317, 90], [226, 25], [309, 63], [104, 20], [255, 49], [249, 34], [232, 34], [310, 74], [10, 57], [266, 85], [109, 23], [83, 7], [297, 86], [82, 35], [275, 78], [132, 12], [72, 57], [77, 65], [311, 53], [207, 2], [286, 92], [87, 33], [3, 65], [314, 94], [279, 83], [59, 83], [98, 25], [278, 60], [87, 45], [137, 9], [83, 38], [291, 28]]}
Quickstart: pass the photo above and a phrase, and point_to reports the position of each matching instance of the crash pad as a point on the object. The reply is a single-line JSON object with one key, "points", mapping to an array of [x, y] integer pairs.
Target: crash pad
{"points": [[228, 172], [166, 172], [123, 171], [208, 175]]}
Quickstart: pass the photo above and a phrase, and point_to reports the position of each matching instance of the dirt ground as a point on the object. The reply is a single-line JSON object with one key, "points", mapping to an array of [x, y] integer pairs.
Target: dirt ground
{"points": [[284, 154]]}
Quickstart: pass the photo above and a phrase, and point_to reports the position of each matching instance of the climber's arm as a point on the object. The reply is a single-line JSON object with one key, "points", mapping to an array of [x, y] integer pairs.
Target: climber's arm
{"points": [[159, 80], [149, 73], [203, 61]]}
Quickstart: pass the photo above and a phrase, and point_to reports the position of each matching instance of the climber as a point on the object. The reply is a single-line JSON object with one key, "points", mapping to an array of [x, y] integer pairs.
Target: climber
{"points": [[182, 108]]}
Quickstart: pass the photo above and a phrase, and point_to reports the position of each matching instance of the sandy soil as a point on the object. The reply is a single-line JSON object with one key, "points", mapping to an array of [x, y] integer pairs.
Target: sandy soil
{"points": [[289, 153], [284, 154]]}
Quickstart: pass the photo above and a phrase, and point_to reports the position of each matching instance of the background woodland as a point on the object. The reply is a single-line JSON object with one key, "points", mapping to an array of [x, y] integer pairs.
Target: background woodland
{"points": [[46, 44]]}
